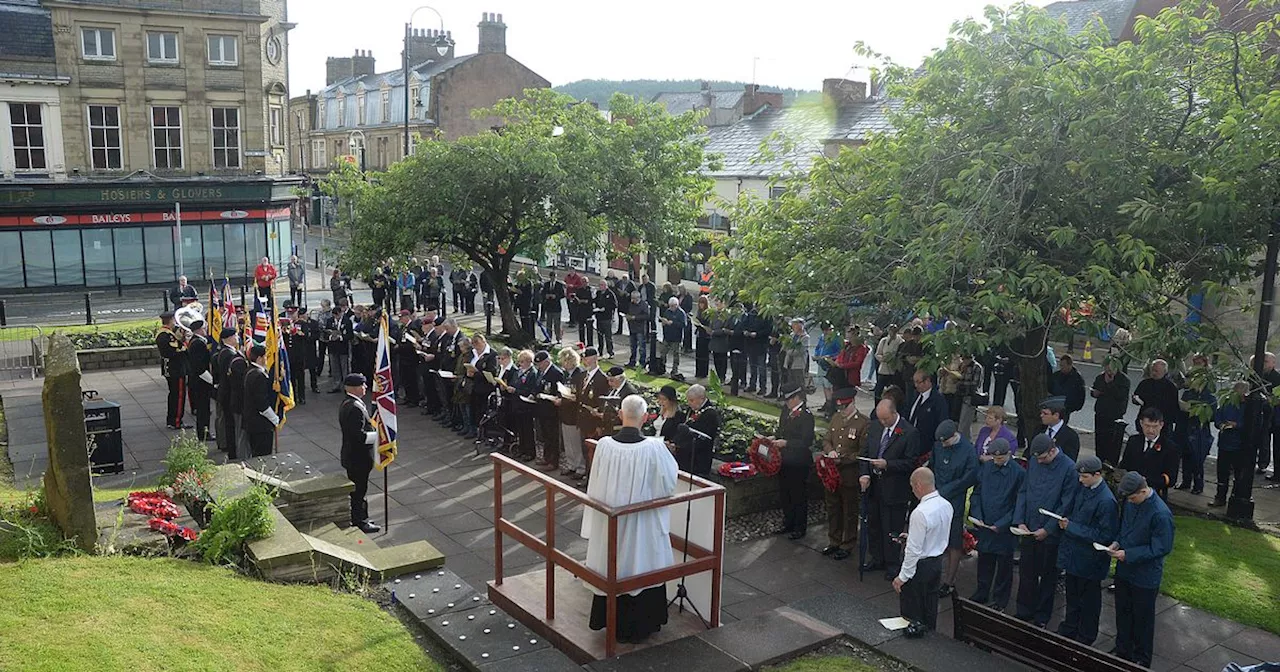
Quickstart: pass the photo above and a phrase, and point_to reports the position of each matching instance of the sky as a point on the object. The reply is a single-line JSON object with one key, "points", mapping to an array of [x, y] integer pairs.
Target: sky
{"points": [[795, 44]]}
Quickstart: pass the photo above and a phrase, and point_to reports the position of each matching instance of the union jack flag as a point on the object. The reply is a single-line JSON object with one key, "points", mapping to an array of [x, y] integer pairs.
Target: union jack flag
{"points": [[261, 321], [384, 398], [228, 309]]}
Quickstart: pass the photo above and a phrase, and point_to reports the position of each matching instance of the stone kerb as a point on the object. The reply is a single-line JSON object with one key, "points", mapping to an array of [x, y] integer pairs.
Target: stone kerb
{"points": [[68, 491]]}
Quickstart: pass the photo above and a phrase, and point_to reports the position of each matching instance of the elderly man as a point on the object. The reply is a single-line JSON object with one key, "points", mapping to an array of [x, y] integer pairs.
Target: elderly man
{"points": [[1158, 391], [1050, 486], [1110, 390], [703, 421], [1145, 538], [795, 354], [795, 439], [628, 468], [264, 276], [673, 320], [183, 293], [1091, 520], [844, 441], [991, 509], [928, 407], [926, 539], [550, 377], [604, 305], [297, 273], [891, 451], [1067, 383], [358, 442], [954, 464]]}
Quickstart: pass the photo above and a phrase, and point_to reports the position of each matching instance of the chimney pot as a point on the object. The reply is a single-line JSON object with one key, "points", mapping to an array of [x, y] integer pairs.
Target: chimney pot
{"points": [[449, 34], [499, 18]]}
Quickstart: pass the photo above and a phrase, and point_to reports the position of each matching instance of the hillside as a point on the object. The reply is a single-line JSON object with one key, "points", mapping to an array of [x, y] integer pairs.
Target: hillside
{"points": [[599, 90]]}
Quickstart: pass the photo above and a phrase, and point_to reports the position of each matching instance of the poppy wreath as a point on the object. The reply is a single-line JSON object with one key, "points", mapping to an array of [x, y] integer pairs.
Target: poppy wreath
{"points": [[171, 529], [970, 542], [156, 504], [727, 470], [769, 463], [828, 473]]}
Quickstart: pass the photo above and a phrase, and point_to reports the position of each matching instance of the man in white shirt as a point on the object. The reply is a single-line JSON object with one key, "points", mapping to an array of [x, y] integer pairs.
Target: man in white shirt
{"points": [[926, 542], [628, 468]]}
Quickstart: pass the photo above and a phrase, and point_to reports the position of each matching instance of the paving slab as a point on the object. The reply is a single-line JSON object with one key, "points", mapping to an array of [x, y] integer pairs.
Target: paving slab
{"points": [[431, 593], [539, 660], [1257, 643], [855, 617], [485, 634], [689, 653], [1197, 632], [1218, 657], [771, 636], [938, 653]]}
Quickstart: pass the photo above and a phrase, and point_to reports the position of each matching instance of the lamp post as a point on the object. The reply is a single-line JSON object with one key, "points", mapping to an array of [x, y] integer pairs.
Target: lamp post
{"points": [[408, 29]]}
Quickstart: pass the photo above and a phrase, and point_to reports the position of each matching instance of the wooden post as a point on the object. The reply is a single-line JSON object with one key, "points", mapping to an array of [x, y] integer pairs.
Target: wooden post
{"points": [[718, 549], [611, 611], [551, 547], [497, 516]]}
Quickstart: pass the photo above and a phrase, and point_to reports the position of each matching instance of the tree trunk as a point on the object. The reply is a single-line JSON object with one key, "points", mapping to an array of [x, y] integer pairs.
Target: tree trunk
{"points": [[1033, 381]]}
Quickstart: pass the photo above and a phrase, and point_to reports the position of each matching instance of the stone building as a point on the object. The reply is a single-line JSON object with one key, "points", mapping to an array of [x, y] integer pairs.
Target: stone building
{"points": [[722, 107], [361, 113], [154, 141]]}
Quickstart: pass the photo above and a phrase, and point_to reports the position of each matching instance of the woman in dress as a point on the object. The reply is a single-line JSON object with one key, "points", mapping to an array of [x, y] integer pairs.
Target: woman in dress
{"points": [[993, 428]]}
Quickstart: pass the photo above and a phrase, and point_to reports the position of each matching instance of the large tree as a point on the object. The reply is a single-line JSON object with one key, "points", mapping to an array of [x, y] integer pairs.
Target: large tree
{"points": [[554, 172], [1032, 173]]}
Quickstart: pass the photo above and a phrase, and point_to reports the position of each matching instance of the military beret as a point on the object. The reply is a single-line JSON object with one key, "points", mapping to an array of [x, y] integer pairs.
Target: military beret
{"points": [[439, 321], [541, 356], [227, 332], [590, 352], [405, 312], [1041, 444], [257, 351], [615, 371], [1089, 464], [946, 429], [1131, 483], [998, 447], [354, 380]]}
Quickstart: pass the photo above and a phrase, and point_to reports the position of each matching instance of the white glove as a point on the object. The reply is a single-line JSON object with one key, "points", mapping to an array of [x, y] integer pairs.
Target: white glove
{"points": [[270, 414], [207, 377], [371, 438]]}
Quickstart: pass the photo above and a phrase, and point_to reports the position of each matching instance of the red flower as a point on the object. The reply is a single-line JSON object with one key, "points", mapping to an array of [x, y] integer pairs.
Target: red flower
{"points": [[897, 431], [34, 509], [1156, 447]]}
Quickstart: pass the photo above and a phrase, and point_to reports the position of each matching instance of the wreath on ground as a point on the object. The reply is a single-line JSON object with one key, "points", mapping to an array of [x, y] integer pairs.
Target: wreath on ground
{"points": [[162, 511], [738, 470], [828, 473]]}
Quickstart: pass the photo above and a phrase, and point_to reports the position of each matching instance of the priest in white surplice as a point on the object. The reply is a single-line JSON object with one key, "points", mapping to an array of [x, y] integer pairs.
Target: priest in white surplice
{"points": [[630, 468]]}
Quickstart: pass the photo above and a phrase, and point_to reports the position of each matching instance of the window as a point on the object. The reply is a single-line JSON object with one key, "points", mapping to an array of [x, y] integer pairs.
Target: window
{"points": [[360, 117], [11, 258], [166, 136], [776, 192], [318, 158], [99, 43], [28, 136], [342, 111], [321, 122], [386, 106], [158, 244], [277, 125], [104, 137], [414, 103], [222, 50], [162, 47], [715, 221], [226, 137]]}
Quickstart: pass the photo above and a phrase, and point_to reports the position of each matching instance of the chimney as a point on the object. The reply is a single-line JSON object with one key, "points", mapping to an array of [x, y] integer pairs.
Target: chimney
{"points": [[753, 99], [362, 64], [429, 44], [843, 93], [337, 69], [708, 98], [493, 34]]}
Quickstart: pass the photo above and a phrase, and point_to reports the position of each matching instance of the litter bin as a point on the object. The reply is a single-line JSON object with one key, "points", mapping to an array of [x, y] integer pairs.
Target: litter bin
{"points": [[102, 425]]}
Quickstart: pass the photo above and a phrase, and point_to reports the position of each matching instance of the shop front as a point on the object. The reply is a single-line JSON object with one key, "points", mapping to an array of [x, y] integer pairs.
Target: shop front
{"points": [[79, 234]]}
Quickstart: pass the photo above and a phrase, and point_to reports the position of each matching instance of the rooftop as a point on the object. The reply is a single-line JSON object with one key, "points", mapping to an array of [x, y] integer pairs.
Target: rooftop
{"points": [[1080, 13], [392, 78], [678, 103]]}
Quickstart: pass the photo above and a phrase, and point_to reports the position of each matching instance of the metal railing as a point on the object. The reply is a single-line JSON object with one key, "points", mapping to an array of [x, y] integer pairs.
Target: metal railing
{"points": [[698, 559], [21, 352]]}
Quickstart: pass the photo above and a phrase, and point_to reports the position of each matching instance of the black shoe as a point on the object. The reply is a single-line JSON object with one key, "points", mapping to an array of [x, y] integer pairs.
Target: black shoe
{"points": [[1217, 502], [782, 530], [369, 527], [916, 630], [945, 590], [830, 549], [840, 555], [796, 535], [1182, 486], [1197, 491], [1274, 477], [871, 566]]}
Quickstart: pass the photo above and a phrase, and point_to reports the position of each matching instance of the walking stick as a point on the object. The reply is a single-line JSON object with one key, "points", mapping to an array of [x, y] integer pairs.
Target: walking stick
{"points": [[862, 536]]}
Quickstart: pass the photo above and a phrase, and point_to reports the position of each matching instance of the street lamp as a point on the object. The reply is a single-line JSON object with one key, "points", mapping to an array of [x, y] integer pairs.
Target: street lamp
{"points": [[408, 30]]}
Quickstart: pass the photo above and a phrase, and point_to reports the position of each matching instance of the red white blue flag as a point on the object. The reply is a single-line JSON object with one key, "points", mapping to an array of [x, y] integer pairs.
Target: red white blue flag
{"points": [[384, 400]]}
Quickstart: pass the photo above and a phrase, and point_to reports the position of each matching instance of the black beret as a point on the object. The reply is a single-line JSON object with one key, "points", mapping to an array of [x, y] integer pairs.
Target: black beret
{"points": [[590, 352], [354, 380], [227, 332], [616, 371], [541, 356]]}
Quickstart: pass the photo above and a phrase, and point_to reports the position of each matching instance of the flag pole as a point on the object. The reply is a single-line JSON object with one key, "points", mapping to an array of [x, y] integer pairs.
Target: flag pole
{"points": [[177, 222], [386, 506]]}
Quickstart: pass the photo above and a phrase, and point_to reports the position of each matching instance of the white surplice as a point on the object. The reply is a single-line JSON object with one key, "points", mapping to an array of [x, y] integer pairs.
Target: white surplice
{"points": [[627, 473]]}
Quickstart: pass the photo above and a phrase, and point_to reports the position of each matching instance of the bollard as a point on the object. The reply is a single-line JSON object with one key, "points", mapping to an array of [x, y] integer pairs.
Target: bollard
{"points": [[119, 287], [4, 321], [164, 301], [88, 310], [317, 258]]}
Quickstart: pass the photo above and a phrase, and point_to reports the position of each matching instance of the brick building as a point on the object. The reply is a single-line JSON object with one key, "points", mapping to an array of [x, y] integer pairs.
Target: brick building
{"points": [[361, 112]]}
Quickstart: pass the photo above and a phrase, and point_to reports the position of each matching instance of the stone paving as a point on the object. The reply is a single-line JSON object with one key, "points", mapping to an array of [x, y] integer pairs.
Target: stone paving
{"points": [[441, 491]]}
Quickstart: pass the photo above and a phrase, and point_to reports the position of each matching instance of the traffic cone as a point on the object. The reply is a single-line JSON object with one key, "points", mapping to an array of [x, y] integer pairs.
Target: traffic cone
{"points": [[1088, 351]]}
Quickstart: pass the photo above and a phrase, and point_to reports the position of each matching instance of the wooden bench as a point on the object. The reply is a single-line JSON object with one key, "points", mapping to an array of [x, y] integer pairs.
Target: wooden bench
{"points": [[1037, 648]]}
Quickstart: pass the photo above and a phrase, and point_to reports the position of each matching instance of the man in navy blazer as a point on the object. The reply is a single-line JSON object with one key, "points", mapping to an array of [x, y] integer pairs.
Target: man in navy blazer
{"points": [[928, 407], [1053, 416], [891, 450]]}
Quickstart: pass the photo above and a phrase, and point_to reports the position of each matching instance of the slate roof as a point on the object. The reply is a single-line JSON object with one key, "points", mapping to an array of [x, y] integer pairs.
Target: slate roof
{"points": [[680, 102], [807, 126], [395, 77], [1080, 13], [26, 34]]}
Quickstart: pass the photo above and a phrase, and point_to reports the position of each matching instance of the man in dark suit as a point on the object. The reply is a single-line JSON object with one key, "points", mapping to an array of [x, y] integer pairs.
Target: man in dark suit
{"points": [[703, 421], [552, 294], [1067, 383], [358, 442], [795, 439], [757, 329], [550, 377], [259, 414], [928, 408], [199, 377], [595, 386], [1054, 417], [604, 306], [486, 361], [619, 388], [228, 412], [891, 450], [1152, 452]]}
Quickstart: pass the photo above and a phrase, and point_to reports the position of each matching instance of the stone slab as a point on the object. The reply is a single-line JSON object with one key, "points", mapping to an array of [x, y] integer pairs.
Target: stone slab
{"points": [[855, 617], [540, 660], [688, 653], [463, 632], [333, 551], [939, 653], [284, 545], [428, 594], [1217, 658], [411, 557], [1257, 643], [771, 636]]}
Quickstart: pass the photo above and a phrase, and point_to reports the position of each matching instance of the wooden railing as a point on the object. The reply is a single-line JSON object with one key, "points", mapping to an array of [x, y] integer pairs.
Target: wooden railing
{"points": [[699, 559]]}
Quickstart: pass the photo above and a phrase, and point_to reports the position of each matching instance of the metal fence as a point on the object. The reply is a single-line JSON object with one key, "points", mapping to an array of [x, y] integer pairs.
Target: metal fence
{"points": [[21, 352]]}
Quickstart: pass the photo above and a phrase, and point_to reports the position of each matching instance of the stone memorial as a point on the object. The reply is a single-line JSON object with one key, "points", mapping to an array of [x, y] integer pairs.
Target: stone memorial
{"points": [[68, 491]]}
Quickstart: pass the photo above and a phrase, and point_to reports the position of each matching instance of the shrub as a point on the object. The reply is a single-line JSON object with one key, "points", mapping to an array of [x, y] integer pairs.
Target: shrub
{"points": [[27, 532], [113, 338], [235, 522], [186, 453]]}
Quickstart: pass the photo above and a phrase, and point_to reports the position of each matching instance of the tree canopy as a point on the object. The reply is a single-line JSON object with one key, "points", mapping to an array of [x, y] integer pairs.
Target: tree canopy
{"points": [[554, 171], [1033, 175]]}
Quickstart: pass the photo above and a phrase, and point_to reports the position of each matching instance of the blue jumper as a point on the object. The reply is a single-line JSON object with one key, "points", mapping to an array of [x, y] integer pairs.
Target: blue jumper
{"points": [[1093, 518], [993, 500], [1051, 487], [1146, 535]]}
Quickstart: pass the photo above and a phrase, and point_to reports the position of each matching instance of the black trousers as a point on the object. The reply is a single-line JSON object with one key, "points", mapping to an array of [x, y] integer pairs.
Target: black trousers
{"points": [[995, 580], [259, 443], [1135, 622], [359, 506], [586, 332], [298, 378], [1084, 606], [1000, 390], [793, 496], [549, 430], [469, 303], [885, 520], [177, 401], [409, 379], [295, 294], [200, 393], [918, 600], [701, 356], [738, 361], [604, 336], [1109, 439], [1038, 577], [720, 360], [228, 434], [1232, 465]]}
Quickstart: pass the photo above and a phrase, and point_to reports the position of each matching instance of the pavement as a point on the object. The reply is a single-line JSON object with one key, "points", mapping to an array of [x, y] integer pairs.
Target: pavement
{"points": [[440, 490]]}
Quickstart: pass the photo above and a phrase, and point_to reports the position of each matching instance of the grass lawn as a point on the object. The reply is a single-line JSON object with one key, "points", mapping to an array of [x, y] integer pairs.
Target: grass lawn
{"points": [[1228, 571], [121, 613], [825, 663], [17, 333]]}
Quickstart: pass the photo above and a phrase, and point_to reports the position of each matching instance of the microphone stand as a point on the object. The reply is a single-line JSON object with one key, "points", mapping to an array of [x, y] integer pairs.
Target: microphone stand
{"points": [[682, 593]]}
